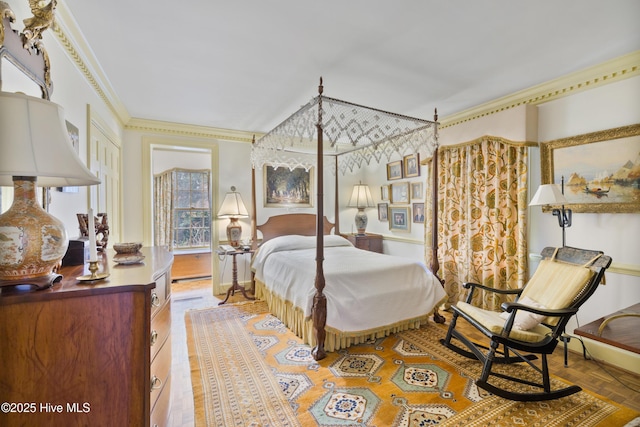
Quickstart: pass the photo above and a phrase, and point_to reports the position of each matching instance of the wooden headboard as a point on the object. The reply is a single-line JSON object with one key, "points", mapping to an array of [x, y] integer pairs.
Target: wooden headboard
{"points": [[301, 223]]}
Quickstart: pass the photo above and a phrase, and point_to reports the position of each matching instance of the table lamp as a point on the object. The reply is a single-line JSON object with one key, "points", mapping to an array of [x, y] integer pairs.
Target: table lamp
{"points": [[233, 208], [35, 149], [361, 199], [551, 194]]}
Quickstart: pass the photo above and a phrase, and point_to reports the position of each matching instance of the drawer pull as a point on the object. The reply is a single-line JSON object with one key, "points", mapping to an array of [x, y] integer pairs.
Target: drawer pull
{"points": [[154, 337], [156, 383], [155, 300]]}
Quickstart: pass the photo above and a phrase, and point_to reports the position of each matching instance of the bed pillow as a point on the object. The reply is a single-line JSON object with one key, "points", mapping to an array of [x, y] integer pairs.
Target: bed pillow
{"points": [[295, 242], [526, 320]]}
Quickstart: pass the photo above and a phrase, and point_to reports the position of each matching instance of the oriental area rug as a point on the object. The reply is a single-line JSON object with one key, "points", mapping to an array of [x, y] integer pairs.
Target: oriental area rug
{"points": [[248, 369]]}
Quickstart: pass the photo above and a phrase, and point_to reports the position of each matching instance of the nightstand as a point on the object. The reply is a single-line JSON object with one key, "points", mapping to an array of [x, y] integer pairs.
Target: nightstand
{"points": [[235, 286], [368, 241]]}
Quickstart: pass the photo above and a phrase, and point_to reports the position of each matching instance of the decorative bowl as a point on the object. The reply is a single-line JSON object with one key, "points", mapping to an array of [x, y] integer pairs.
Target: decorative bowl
{"points": [[127, 248], [132, 258]]}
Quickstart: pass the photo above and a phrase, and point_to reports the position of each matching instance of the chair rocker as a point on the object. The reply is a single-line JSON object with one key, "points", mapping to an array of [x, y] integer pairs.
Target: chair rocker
{"points": [[533, 324]]}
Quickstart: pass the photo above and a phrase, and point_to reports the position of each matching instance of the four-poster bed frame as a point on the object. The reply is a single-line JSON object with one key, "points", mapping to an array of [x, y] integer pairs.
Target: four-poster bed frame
{"points": [[356, 134]]}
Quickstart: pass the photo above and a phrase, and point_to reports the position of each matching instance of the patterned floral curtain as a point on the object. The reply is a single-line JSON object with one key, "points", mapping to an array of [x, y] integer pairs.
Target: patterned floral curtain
{"points": [[482, 205], [163, 209]]}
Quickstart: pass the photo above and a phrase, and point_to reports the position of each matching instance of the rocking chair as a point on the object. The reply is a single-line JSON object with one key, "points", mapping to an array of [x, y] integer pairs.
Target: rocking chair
{"points": [[533, 324]]}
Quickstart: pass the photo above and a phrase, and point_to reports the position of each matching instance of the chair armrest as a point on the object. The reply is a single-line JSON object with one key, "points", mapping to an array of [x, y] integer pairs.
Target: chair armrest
{"points": [[473, 286]]}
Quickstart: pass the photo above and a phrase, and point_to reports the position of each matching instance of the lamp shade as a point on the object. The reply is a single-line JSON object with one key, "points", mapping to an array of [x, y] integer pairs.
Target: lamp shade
{"points": [[548, 194], [34, 142], [361, 197], [232, 206]]}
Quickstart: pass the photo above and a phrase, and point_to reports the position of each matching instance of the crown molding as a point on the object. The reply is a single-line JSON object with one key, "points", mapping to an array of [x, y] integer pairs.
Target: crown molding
{"points": [[611, 71], [73, 41], [194, 131]]}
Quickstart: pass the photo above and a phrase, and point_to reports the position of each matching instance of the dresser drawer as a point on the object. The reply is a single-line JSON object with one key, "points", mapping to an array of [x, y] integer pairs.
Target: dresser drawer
{"points": [[160, 411], [160, 293], [160, 328], [160, 371]]}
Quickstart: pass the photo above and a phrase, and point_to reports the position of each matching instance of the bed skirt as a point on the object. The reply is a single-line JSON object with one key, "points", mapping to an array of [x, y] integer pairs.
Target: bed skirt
{"points": [[293, 318]]}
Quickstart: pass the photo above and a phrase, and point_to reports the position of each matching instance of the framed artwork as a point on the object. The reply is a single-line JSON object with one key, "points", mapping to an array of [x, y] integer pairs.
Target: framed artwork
{"points": [[418, 213], [74, 135], [383, 210], [601, 170], [399, 192], [394, 170], [288, 188], [399, 219], [416, 191], [411, 165], [384, 192]]}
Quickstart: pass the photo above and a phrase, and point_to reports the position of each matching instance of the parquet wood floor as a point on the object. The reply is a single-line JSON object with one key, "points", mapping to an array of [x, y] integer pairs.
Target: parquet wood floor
{"points": [[616, 384]]}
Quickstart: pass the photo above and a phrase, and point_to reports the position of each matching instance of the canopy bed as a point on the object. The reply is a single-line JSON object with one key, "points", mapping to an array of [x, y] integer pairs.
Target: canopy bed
{"points": [[353, 135]]}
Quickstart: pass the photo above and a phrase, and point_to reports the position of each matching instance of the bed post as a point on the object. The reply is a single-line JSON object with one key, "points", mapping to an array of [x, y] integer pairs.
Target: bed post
{"points": [[254, 209], [435, 264], [336, 215], [319, 309]]}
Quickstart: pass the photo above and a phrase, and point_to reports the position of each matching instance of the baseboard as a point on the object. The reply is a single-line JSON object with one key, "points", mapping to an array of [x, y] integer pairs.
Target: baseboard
{"points": [[607, 354]]}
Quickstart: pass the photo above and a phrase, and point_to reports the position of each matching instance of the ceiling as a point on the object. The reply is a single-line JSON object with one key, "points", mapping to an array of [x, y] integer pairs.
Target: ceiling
{"points": [[247, 65]]}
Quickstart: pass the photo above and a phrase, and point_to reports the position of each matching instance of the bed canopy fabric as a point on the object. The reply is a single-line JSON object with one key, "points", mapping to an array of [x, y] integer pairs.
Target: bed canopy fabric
{"points": [[354, 135]]}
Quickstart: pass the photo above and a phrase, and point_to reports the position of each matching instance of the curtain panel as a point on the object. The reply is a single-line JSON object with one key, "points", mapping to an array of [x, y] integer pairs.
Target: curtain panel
{"points": [[482, 206], [163, 209]]}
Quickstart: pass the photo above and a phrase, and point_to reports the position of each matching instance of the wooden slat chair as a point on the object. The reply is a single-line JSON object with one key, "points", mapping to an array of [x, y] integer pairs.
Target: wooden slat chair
{"points": [[564, 280]]}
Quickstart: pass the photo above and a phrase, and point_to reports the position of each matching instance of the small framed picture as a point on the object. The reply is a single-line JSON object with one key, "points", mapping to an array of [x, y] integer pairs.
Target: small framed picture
{"points": [[399, 219], [394, 170], [384, 192], [416, 191], [411, 165], [383, 210], [399, 193], [418, 213]]}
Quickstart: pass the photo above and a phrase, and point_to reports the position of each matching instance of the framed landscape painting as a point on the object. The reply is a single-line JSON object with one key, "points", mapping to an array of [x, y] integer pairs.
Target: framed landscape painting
{"points": [[600, 170], [288, 188]]}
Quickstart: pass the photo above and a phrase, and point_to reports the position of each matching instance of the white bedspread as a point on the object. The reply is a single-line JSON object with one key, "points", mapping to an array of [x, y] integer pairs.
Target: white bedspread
{"points": [[364, 290]]}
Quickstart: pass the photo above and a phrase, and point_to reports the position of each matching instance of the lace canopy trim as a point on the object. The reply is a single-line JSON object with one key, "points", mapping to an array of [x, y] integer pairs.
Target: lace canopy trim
{"points": [[355, 133]]}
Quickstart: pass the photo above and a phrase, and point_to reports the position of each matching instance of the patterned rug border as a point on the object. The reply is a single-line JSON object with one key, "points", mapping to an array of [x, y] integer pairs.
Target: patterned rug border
{"points": [[258, 407]]}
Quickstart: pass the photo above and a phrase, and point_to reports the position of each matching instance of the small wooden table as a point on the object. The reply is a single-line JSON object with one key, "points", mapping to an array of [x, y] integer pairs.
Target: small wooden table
{"points": [[619, 329], [235, 286]]}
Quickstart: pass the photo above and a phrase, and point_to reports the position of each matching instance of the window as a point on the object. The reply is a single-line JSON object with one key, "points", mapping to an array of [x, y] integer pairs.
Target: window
{"points": [[191, 210]]}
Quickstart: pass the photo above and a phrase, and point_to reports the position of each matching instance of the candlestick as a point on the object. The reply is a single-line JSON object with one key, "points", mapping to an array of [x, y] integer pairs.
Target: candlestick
{"points": [[93, 251]]}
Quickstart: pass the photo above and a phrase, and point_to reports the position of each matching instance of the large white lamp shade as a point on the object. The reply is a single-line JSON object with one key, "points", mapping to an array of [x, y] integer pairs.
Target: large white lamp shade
{"points": [[35, 148]]}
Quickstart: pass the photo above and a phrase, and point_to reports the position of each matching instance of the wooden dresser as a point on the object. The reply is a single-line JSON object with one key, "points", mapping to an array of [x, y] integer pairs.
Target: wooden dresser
{"points": [[89, 354], [368, 241]]}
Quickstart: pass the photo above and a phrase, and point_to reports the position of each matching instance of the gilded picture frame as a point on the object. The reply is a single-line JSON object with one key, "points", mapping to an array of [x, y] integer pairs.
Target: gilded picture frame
{"points": [[399, 193], [418, 213], [288, 188], [411, 165], [416, 191], [394, 170], [600, 169], [384, 192], [383, 212]]}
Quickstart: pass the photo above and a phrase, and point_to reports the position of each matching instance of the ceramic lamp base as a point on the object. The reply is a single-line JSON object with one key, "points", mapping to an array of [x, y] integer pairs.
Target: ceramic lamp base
{"points": [[361, 221], [32, 242], [234, 232]]}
